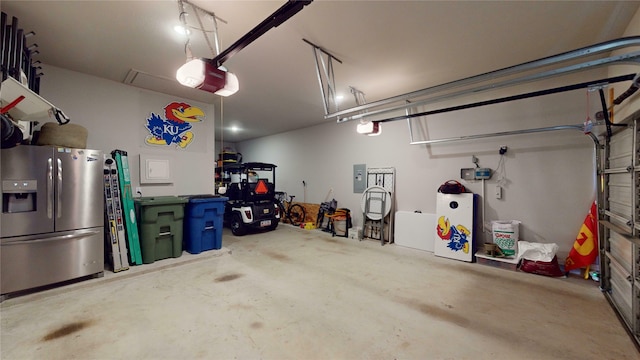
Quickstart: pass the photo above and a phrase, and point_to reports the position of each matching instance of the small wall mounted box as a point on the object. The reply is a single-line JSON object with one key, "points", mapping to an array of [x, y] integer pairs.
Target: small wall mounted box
{"points": [[483, 174], [155, 169], [468, 174]]}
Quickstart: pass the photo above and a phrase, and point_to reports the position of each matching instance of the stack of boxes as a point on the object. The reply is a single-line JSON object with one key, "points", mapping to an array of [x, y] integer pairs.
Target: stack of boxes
{"points": [[224, 158]]}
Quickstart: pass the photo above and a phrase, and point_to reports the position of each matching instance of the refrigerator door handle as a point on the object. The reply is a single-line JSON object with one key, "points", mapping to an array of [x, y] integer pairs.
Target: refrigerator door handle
{"points": [[50, 188], [59, 192], [55, 237]]}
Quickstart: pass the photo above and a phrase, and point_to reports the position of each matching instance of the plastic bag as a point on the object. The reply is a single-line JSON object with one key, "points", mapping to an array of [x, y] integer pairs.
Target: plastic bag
{"points": [[536, 251], [506, 234]]}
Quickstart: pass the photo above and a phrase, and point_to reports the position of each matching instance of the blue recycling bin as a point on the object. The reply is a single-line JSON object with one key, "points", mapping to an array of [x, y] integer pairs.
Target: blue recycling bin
{"points": [[203, 223]]}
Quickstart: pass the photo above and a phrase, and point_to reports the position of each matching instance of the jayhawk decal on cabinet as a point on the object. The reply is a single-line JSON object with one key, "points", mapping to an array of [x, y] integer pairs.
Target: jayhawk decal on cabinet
{"points": [[456, 235], [175, 129]]}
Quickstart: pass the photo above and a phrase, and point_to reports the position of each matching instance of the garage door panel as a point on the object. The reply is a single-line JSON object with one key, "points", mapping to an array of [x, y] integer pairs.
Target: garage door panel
{"points": [[620, 198], [637, 197], [621, 288], [620, 208], [620, 222], [621, 194], [621, 250], [621, 150]]}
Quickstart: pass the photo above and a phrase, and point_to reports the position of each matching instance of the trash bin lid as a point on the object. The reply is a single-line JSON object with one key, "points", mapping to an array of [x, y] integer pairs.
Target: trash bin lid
{"points": [[207, 200], [160, 200], [202, 198]]}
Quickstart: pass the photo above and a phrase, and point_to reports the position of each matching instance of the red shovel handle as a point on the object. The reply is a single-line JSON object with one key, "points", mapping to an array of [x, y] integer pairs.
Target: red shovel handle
{"points": [[12, 104]]}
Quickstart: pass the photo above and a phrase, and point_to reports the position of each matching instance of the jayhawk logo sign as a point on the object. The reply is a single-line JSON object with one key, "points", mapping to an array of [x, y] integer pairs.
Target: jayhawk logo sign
{"points": [[457, 236], [176, 127]]}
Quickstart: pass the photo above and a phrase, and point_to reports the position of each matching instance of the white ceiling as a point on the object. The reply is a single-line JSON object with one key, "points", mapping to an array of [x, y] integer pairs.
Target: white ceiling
{"points": [[387, 48]]}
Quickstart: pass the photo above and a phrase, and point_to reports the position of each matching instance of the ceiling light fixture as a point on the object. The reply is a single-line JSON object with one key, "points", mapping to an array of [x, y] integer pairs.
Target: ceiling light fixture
{"points": [[181, 30]]}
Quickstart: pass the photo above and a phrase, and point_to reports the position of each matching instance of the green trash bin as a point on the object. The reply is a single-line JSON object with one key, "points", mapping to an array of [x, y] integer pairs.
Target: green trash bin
{"points": [[160, 221]]}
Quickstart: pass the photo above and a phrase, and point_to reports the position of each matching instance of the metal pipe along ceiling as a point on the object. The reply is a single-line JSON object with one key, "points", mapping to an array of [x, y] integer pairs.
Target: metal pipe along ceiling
{"points": [[579, 127], [491, 78], [515, 97]]}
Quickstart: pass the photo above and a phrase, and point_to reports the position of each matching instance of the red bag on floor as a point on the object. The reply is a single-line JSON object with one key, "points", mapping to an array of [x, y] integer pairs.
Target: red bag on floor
{"points": [[550, 268]]}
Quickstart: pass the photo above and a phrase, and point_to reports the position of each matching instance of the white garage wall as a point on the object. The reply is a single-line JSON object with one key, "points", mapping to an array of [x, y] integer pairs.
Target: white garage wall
{"points": [[550, 181], [115, 114]]}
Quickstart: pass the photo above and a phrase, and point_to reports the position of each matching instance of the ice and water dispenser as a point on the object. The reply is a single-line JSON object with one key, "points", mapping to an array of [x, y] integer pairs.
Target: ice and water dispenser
{"points": [[19, 195]]}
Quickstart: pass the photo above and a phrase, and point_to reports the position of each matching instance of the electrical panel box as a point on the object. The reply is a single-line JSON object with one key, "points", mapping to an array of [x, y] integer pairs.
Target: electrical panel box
{"points": [[155, 169], [468, 174], [359, 178]]}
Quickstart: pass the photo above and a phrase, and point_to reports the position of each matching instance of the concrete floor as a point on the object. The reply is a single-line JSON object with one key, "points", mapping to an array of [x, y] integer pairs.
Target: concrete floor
{"points": [[300, 294]]}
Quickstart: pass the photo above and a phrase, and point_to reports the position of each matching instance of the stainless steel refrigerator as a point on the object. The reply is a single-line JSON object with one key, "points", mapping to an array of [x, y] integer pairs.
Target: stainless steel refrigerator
{"points": [[52, 221]]}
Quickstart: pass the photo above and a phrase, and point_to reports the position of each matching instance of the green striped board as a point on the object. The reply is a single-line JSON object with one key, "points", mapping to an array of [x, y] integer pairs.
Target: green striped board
{"points": [[129, 211]]}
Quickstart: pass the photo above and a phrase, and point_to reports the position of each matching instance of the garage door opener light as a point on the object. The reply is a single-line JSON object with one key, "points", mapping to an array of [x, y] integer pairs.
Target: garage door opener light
{"points": [[369, 128], [365, 127], [202, 75], [208, 74]]}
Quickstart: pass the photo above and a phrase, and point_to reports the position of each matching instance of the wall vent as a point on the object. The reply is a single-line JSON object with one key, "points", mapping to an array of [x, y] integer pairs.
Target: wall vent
{"points": [[165, 85]]}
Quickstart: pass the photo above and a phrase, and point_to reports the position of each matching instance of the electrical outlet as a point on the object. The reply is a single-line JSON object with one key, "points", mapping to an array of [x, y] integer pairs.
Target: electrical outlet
{"points": [[503, 149], [498, 192], [139, 190]]}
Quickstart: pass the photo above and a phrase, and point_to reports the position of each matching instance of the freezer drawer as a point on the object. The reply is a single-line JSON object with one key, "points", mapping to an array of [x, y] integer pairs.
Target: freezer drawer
{"points": [[32, 261]]}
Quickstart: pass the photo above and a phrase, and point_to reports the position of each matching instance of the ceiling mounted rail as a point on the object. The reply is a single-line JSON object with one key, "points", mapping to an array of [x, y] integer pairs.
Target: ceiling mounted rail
{"points": [[583, 85], [579, 127], [326, 77], [530, 78], [205, 11], [428, 95], [281, 15], [589, 84]]}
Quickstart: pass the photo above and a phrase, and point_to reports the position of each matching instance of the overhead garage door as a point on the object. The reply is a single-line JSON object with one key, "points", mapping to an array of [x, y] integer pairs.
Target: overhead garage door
{"points": [[620, 222]]}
